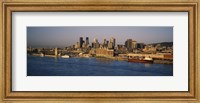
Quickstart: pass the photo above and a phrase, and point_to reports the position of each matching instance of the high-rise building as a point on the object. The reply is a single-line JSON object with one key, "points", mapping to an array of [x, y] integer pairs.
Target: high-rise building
{"points": [[140, 45], [95, 40], [134, 44], [95, 43], [110, 45], [128, 44], [81, 42], [105, 43], [84, 45], [113, 40], [87, 41]]}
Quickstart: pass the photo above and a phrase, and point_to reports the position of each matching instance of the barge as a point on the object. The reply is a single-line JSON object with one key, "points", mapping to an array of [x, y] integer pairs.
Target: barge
{"points": [[143, 60]]}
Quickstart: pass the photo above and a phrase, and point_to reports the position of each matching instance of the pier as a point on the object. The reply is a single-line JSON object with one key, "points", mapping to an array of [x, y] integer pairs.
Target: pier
{"points": [[164, 56]]}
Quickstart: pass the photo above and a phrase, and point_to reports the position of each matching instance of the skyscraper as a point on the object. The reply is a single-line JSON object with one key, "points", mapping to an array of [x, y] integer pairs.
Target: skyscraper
{"points": [[113, 40], [140, 45], [134, 44], [110, 45], [104, 41], [81, 42], [87, 41], [128, 44], [95, 43], [95, 40]]}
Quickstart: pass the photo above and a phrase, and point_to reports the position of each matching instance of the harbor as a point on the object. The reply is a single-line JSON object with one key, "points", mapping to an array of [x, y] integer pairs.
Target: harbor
{"points": [[154, 58]]}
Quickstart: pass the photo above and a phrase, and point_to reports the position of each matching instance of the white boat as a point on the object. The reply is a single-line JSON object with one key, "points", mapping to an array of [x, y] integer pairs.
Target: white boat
{"points": [[65, 56], [42, 55], [148, 58]]}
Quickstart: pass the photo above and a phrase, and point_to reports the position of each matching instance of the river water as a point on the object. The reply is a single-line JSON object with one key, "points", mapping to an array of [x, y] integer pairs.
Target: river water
{"points": [[49, 66]]}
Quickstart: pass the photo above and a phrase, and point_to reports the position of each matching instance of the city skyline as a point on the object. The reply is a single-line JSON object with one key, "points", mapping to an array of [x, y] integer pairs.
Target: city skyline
{"points": [[68, 36]]}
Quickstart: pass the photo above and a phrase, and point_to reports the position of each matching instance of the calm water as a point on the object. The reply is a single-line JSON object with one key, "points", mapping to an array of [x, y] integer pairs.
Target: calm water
{"points": [[49, 66]]}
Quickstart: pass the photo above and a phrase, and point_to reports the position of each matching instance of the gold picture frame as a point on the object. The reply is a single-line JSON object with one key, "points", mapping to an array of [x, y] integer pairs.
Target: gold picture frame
{"points": [[9, 6]]}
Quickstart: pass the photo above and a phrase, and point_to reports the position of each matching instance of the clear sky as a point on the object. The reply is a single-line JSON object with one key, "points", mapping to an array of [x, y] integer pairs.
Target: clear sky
{"points": [[69, 35]]}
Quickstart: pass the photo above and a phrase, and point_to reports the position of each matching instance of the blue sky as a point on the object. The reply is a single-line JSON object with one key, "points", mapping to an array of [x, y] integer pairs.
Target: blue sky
{"points": [[69, 35]]}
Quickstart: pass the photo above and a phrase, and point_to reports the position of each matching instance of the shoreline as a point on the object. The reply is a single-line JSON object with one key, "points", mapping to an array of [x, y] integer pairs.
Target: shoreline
{"points": [[111, 58]]}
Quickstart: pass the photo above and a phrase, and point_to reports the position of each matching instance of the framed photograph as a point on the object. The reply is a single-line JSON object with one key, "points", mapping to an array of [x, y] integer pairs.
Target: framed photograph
{"points": [[109, 50]]}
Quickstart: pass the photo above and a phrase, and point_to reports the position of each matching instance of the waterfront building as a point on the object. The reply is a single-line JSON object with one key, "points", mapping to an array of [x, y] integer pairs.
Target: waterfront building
{"points": [[104, 52], [56, 51]]}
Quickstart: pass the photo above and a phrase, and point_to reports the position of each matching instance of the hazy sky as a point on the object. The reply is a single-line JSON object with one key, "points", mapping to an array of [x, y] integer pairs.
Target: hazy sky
{"points": [[66, 36]]}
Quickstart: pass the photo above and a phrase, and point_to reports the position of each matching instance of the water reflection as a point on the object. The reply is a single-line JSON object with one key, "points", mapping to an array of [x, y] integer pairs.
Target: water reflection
{"points": [[55, 59], [104, 60], [147, 65]]}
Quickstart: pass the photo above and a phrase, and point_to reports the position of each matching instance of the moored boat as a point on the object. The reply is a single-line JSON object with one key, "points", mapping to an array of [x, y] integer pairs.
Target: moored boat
{"points": [[145, 60], [42, 55], [65, 56]]}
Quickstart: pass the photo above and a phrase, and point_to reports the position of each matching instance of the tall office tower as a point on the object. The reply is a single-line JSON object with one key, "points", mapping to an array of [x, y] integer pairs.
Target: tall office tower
{"points": [[113, 40], [81, 42], [87, 41], [128, 44], [92, 45], [110, 45], [140, 45], [95, 40], [134, 44], [95, 43], [104, 41]]}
